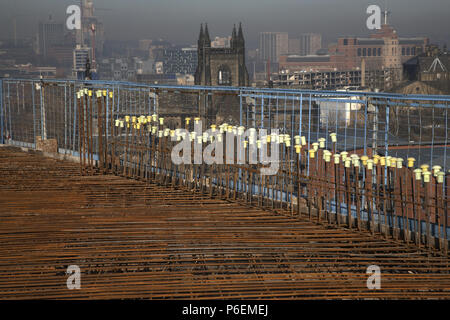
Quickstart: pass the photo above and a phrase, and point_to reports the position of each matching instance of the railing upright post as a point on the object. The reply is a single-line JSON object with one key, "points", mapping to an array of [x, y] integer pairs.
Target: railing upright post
{"points": [[240, 107], [240, 177], [43, 131], [2, 136], [386, 139], [10, 135], [366, 120], [309, 128], [34, 114], [75, 106], [65, 116]]}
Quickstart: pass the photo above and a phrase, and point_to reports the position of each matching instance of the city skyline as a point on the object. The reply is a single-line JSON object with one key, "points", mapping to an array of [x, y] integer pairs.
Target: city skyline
{"points": [[179, 23], [209, 150]]}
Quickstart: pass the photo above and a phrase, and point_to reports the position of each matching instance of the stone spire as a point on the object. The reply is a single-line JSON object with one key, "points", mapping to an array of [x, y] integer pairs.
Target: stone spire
{"points": [[240, 34], [207, 39], [233, 37], [201, 36], [240, 37]]}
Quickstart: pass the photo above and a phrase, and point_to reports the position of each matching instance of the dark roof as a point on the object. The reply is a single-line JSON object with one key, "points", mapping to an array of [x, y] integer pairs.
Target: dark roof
{"points": [[308, 59], [369, 41], [426, 62], [412, 62], [150, 77], [419, 41]]}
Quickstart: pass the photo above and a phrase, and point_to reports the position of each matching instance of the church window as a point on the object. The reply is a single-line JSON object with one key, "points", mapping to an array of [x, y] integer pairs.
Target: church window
{"points": [[224, 76]]}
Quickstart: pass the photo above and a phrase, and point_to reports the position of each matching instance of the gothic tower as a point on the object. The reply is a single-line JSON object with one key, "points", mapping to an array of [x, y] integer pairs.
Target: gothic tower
{"points": [[221, 66]]}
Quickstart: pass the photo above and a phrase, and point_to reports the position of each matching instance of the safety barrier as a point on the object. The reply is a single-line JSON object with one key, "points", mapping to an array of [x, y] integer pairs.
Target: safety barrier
{"points": [[371, 161]]}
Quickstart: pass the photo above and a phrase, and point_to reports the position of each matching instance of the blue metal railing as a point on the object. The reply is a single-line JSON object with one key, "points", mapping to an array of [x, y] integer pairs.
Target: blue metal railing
{"points": [[365, 122], [292, 111]]}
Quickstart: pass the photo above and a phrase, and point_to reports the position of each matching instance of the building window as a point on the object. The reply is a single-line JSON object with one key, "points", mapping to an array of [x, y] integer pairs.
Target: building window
{"points": [[369, 52], [359, 52], [345, 42], [403, 51], [224, 76], [379, 51], [364, 52], [413, 51], [408, 51]]}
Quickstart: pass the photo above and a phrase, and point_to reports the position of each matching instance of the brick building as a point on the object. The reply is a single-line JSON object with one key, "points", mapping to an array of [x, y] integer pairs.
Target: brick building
{"points": [[382, 50]]}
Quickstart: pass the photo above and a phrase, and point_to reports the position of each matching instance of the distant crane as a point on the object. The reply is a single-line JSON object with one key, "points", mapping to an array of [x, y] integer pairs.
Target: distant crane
{"points": [[93, 46], [92, 27]]}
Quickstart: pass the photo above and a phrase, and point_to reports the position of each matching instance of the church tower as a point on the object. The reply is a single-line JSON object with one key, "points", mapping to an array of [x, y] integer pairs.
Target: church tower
{"points": [[221, 66]]}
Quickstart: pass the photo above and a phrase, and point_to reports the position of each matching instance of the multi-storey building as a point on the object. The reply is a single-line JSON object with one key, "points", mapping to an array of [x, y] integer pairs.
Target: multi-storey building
{"points": [[330, 80], [310, 43], [50, 34], [383, 50], [179, 60], [272, 45], [81, 55], [294, 46]]}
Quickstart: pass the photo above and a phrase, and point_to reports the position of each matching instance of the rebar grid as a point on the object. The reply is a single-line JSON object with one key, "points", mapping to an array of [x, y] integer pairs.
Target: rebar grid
{"points": [[136, 239]]}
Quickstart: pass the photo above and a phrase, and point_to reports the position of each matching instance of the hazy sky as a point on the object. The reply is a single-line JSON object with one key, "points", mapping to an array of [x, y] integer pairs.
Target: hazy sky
{"points": [[179, 20]]}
